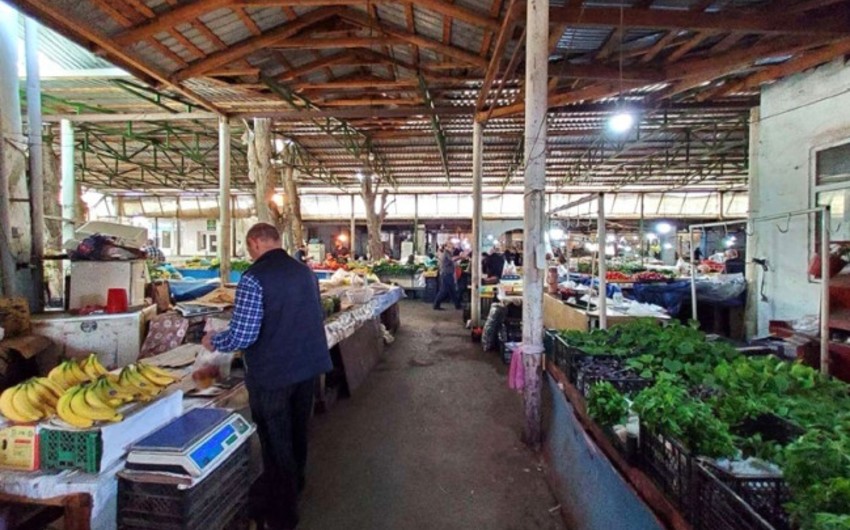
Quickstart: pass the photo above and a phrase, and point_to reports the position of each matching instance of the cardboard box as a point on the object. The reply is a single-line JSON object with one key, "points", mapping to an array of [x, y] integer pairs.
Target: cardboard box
{"points": [[19, 448], [15, 317]]}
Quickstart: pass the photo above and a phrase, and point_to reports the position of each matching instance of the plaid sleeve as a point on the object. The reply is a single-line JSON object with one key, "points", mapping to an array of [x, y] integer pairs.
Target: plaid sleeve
{"points": [[247, 317]]}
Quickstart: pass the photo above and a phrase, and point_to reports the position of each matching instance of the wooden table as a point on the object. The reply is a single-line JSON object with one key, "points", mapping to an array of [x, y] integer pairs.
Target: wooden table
{"points": [[76, 508], [558, 315]]}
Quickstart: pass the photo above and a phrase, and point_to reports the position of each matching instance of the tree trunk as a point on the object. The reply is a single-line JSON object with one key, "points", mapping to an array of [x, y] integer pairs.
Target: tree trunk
{"points": [[293, 209], [260, 168], [375, 214]]}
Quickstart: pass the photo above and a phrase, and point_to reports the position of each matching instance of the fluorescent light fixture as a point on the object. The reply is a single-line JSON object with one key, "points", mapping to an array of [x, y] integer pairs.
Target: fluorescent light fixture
{"points": [[610, 238], [342, 238], [556, 233], [490, 237], [668, 246], [359, 176], [651, 237], [636, 238], [663, 228], [621, 121], [729, 243], [591, 247]]}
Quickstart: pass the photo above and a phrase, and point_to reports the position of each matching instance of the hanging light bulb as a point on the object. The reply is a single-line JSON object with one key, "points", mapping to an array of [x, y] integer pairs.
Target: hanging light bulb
{"points": [[621, 121]]}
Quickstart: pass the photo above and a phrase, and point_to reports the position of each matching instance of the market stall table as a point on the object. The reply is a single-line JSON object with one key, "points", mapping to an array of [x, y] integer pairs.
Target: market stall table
{"points": [[562, 316]]}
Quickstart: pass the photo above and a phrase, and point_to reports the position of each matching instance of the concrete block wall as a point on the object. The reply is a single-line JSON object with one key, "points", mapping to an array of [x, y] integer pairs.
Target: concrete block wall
{"points": [[796, 116]]}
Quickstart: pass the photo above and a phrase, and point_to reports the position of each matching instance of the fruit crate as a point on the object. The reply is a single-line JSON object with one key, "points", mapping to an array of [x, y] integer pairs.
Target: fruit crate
{"points": [[611, 369], [70, 450], [669, 465], [218, 502], [765, 494], [715, 505]]}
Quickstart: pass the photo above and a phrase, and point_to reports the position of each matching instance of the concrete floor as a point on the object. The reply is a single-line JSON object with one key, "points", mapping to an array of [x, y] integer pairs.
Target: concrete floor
{"points": [[431, 440]]}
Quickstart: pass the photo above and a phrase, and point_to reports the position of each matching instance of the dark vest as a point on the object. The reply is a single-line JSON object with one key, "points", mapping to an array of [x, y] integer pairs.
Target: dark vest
{"points": [[291, 347]]}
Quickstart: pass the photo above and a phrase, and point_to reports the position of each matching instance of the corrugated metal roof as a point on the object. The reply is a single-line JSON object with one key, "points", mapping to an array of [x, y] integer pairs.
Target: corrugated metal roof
{"points": [[63, 52], [582, 39]]}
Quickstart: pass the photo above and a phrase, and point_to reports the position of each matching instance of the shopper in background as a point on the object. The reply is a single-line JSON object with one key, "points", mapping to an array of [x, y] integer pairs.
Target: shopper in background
{"points": [[448, 285], [282, 362], [301, 254], [496, 264], [153, 253]]}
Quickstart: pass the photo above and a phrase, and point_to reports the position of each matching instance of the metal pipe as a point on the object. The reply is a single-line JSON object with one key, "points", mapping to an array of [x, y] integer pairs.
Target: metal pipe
{"points": [[693, 275], [352, 231], [602, 304], [477, 166], [36, 160], [824, 300], [225, 220]]}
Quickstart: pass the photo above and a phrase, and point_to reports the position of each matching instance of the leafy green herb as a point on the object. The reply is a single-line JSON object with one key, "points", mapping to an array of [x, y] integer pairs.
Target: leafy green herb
{"points": [[606, 405]]}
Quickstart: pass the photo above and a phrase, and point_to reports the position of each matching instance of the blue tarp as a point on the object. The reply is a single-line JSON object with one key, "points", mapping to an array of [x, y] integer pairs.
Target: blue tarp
{"points": [[185, 290], [667, 295]]}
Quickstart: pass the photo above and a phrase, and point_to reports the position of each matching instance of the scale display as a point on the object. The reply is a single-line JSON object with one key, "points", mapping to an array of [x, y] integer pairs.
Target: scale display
{"points": [[192, 444]]}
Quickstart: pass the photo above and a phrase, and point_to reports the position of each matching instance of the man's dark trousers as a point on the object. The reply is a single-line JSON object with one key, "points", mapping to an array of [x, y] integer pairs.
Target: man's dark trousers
{"points": [[282, 416], [448, 291]]}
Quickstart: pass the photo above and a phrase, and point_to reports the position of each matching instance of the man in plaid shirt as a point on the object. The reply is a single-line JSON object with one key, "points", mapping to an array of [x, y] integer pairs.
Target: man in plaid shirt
{"points": [[278, 321]]}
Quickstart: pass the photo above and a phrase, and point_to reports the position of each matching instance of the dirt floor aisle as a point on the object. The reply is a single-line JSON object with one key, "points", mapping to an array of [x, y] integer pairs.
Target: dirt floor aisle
{"points": [[431, 440]]}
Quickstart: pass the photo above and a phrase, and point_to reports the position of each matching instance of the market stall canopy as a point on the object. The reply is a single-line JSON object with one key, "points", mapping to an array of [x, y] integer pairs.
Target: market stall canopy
{"points": [[391, 86]]}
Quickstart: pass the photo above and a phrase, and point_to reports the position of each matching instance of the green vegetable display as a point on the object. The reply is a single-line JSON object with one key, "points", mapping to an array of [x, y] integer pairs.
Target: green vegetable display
{"points": [[705, 389], [392, 268], [606, 405]]}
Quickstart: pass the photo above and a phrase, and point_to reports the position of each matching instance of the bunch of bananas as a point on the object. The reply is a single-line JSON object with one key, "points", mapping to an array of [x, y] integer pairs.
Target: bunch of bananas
{"points": [[71, 373], [82, 393], [32, 400]]}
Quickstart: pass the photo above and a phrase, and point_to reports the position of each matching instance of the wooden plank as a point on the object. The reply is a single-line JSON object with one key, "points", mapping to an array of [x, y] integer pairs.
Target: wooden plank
{"points": [[589, 93], [359, 84], [659, 46], [423, 42], [610, 73], [318, 64], [792, 66], [670, 19], [168, 19], [250, 45], [248, 21], [496, 60], [689, 45], [47, 13], [310, 43]]}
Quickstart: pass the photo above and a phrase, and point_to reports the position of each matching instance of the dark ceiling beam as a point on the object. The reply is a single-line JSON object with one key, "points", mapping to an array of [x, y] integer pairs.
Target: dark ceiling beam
{"points": [[168, 19], [502, 40], [727, 20], [250, 45]]}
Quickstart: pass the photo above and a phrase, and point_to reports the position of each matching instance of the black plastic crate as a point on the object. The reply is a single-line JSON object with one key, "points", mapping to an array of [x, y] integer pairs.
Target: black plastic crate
{"points": [[771, 428], [766, 495], [219, 502], [606, 368], [714, 505], [669, 465]]}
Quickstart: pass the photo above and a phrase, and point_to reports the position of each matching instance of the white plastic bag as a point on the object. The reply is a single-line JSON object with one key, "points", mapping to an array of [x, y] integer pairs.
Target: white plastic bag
{"points": [[210, 367]]}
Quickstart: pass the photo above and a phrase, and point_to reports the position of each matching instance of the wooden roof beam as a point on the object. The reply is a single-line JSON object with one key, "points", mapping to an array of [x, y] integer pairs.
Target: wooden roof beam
{"points": [[416, 40], [558, 99], [318, 64], [792, 66], [601, 72], [502, 41], [252, 44], [168, 19], [700, 21], [309, 43]]}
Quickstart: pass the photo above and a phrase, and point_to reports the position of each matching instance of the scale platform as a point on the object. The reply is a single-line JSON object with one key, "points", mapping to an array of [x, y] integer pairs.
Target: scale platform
{"points": [[193, 444]]}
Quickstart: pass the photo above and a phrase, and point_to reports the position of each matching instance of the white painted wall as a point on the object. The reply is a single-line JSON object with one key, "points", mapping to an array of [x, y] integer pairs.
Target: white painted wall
{"points": [[798, 114]]}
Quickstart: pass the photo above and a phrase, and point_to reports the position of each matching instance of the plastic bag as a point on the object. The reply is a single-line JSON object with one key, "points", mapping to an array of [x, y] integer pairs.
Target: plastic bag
{"points": [[210, 367]]}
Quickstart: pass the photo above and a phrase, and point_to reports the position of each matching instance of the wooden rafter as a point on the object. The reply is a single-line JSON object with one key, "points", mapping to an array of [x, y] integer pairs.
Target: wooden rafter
{"points": [[416, 40], [250, 45], [317, 64], [726, 20], [168, 19], [502, 40]]}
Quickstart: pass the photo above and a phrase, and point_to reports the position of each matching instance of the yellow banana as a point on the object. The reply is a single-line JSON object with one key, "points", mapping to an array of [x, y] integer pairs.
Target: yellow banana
{"points": [[88, 368], [159, 371], [57, 375], [155, 378], [41, 397], [118, 390], [22, 404], [63, 409], [7, 408], [94, 400], [95, 363], [143, 391], [106, 393], [142, 382], [51, 385], [77, 373], [82, 408]]}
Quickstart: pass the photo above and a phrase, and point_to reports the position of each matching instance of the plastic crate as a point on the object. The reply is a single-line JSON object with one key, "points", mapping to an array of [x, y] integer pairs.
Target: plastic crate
{"points": [[219, 502], [715, 505], [70, 450], [766, 495], [771, 427], [624, 379], [669, 465]]}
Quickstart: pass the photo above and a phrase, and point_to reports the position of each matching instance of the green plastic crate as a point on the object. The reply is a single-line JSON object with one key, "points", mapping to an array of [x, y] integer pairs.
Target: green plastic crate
{"points": [[70, 450]]}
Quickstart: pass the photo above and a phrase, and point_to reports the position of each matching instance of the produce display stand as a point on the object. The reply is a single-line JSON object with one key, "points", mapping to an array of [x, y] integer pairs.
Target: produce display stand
{"points": [[558, 315]]}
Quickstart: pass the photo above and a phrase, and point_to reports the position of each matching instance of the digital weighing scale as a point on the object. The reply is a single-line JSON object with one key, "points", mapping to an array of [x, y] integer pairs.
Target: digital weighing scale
{"points": [[193, 444]]}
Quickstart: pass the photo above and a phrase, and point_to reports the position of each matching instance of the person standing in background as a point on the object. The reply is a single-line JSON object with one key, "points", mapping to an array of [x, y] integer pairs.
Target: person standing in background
{"points": [[153, 252], [278, 321], [448, 285]]}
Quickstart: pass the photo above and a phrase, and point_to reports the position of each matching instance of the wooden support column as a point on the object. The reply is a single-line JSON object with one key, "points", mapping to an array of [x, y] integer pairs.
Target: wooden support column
{"points": [[260, 167], [224, 225], [36, 161], [536, 87], [352, 232], [7, 261], [602, 237], [477, 166], [69, 180]]}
